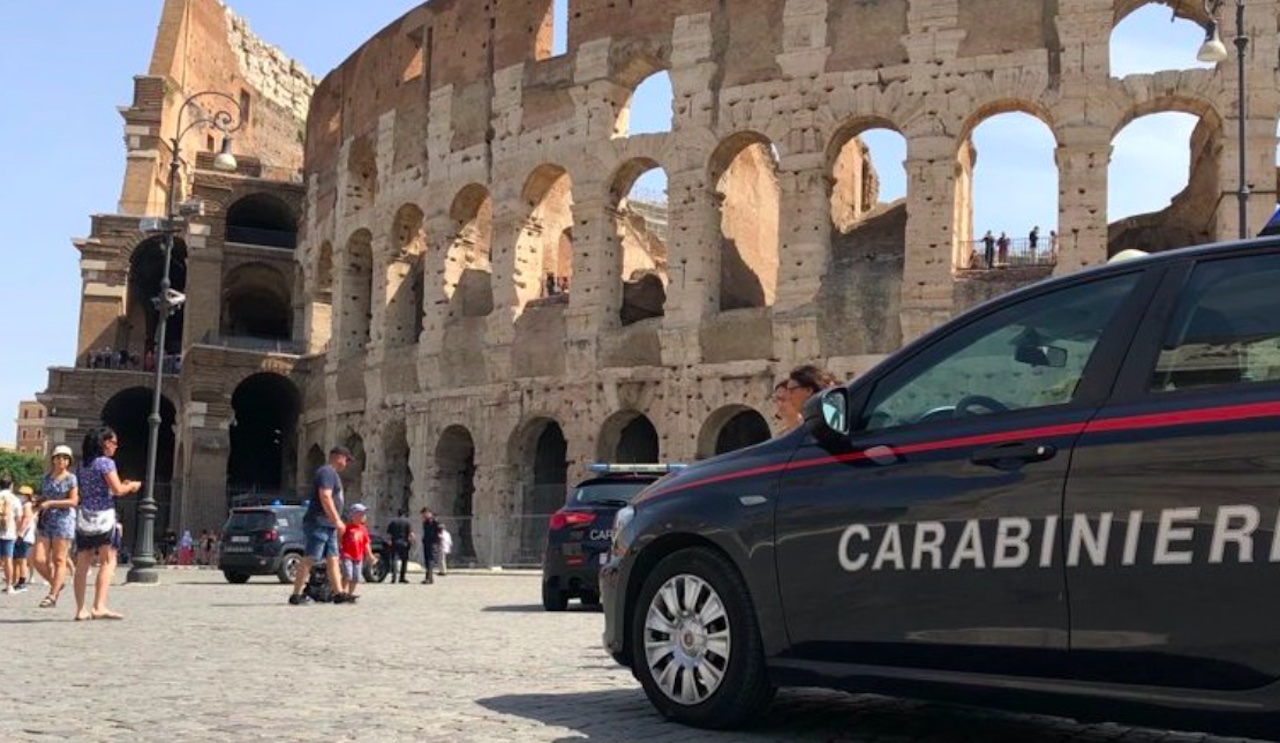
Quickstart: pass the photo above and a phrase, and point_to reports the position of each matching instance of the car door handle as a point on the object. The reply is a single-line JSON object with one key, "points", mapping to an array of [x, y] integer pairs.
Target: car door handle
{"points": [[1013, 455]]}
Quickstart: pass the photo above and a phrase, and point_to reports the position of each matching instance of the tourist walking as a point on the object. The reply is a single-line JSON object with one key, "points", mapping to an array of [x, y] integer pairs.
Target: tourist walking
{"points": [[323, 526], [430, 542], [26, 537], [400, 532], [56, 524], [10, 512], [96, 533]]}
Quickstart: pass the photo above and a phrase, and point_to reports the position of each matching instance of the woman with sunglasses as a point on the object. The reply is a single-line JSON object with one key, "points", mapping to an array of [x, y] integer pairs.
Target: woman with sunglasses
{"points": [[96, 533], [55, 524]]}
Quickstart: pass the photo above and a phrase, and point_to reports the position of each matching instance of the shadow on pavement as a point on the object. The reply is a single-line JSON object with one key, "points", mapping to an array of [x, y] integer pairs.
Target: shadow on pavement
{"points": [[799, 715], [537, 609]]}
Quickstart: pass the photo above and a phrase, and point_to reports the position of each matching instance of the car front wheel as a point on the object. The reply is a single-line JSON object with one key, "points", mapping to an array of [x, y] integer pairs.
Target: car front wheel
{"points": [[375, 571], [233, 576], [697, 643]]}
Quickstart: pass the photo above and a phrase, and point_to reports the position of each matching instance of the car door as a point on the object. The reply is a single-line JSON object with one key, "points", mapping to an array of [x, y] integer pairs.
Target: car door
{"points": [[930, 535], [1174, 490]]}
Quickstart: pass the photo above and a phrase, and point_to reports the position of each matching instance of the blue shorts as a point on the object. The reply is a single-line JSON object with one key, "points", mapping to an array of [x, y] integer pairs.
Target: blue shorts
{"points": [[6, 548], [21, 549], [322, 541], [352, 569]]}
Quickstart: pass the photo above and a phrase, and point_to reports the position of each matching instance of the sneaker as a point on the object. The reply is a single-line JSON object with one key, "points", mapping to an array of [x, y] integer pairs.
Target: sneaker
{"points": [[20, 588], [299, 599]]}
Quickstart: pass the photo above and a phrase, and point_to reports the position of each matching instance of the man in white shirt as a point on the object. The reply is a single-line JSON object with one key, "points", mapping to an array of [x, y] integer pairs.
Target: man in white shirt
{"points": [[10, 513]]}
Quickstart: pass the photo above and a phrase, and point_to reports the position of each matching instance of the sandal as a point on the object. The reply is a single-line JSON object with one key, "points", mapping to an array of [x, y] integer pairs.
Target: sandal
{"points": [[49, 602]]}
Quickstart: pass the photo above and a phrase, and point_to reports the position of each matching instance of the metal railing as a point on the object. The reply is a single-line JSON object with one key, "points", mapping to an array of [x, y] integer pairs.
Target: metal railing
{"points": [[1017, 253], [252, 343]]}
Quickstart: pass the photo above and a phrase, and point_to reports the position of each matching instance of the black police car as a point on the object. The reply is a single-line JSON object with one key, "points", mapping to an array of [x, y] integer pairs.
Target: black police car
{"points": [[269, 540], [1066, 500], [579, 534]]}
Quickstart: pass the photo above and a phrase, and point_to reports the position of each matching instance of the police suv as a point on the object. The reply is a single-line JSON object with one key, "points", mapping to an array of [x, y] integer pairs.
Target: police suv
{"points": [[1066, 500], [579, 534]]}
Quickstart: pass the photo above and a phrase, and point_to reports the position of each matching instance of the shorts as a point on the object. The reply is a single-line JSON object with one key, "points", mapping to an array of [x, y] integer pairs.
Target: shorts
{"points": [[88, 542], [21, 549], [322, 541], [6, 549], [57, 524], [351, 569]]}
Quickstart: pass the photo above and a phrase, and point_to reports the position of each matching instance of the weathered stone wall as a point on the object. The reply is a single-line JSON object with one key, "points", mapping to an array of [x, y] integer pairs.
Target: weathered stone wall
{"points": [[458, 98]]}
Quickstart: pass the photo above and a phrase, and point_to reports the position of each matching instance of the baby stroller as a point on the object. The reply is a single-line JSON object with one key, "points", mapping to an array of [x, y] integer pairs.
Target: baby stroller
{"points": [[318, 588]]}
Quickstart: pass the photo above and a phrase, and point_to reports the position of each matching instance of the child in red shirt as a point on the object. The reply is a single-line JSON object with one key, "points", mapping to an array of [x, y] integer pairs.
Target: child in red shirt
{"points": [[355, 549]]}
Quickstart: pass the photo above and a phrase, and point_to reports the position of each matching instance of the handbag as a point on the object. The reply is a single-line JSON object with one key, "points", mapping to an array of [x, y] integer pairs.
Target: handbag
{"points": [[91, 523]]}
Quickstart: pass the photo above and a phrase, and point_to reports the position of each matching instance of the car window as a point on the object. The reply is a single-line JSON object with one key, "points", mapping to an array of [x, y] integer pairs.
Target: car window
{"points": [[607, 493], [1226, 329], [1028, 355], [250, 521]]}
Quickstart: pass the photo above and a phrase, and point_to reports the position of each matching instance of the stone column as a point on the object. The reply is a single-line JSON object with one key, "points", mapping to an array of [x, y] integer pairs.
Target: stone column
{"points": [[804, 255], [203, 501], [435, 303], [1082, 202], [927, 271], [509, 220], [693, 265], [596, 292]]}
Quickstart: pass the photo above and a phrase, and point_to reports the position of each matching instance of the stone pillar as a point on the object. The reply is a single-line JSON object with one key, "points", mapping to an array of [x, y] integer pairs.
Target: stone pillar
{"points": [[595, 295], [693, 265], [804, 255], [509, 220], [927, 271], [1082, 203], [202, 313], [435, 302], [203, 503]]}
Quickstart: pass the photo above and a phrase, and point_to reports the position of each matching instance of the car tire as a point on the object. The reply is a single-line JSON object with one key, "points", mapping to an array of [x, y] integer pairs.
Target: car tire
{"points": [[717, 636], [234, 576], [289, 567], [376, 571], [553, 599]]}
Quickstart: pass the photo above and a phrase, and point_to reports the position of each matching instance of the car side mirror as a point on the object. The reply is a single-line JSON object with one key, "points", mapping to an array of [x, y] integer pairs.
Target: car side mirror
{"points": [[826, 415], [1054, 357]]}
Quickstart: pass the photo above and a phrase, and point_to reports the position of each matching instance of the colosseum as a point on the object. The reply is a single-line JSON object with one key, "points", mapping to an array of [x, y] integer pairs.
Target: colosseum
{"points": [[483, 304]]}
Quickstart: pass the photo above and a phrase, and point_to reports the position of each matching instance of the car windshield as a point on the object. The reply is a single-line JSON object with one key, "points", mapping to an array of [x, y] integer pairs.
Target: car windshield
{"points": [[250, 521], [608, 493]]}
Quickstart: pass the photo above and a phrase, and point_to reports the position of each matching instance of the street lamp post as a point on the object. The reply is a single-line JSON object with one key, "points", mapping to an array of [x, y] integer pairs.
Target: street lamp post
{"points": [[1213, 50], [143, 563]]}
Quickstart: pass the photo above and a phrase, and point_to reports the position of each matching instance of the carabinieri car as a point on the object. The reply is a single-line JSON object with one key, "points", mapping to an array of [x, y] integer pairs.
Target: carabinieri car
{"points": [[1066, 500]]}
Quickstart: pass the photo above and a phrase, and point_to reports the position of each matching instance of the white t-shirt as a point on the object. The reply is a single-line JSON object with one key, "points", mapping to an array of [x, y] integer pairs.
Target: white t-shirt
{"points": [[14, 506], [28, 535], [446, 541]]}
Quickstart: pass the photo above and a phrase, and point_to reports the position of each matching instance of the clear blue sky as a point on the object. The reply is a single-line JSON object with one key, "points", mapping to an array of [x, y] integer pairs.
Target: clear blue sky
{"points": [[62, 143]]}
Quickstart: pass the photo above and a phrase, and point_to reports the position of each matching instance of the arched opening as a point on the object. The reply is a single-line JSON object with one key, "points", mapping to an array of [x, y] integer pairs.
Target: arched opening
{"points": [[397, 489], [541, 454], [1163, 182], [1006, 200], [264, 419], [405, 279], [544, 248], [146, 269], [126, 413], [315, 459], [362, 174], [650, 109], [264, 220], [257, 303], [357, 294], [319, 323], [552, 39], [456, 473], [731, 428], [745, 171], [628, 437], [353, 475], [1144, 40], [641, 230], [468, 272]]}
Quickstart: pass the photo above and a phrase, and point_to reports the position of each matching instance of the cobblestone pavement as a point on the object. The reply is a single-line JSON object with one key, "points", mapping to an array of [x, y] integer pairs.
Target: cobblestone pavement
{"points": [[471, 658]]}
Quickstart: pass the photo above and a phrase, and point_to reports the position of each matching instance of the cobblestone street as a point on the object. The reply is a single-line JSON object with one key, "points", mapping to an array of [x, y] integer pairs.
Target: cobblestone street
{"points": [[471, 658]]}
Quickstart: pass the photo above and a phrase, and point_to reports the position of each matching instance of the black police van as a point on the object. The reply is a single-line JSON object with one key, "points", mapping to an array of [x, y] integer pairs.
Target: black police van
{"points": [[579, 534], [269, 540], [1066, 500]]}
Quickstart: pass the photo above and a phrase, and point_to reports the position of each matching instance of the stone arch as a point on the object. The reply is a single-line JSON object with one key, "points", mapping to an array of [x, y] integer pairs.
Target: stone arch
{"points": [[357, 294], [315, 459], [744, 170], [628, 437], [468, 269], [257, 303], [639, 239], [264, 421], [968, 231], [405, 278], [324, 272], [538, 452], [730, 428], [127, 413], [455, 460], [146, 269], [1189, 217], [397, 488], [649, 107], [544, 247], [353, 475], [1192, 10], [262, 219]]}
